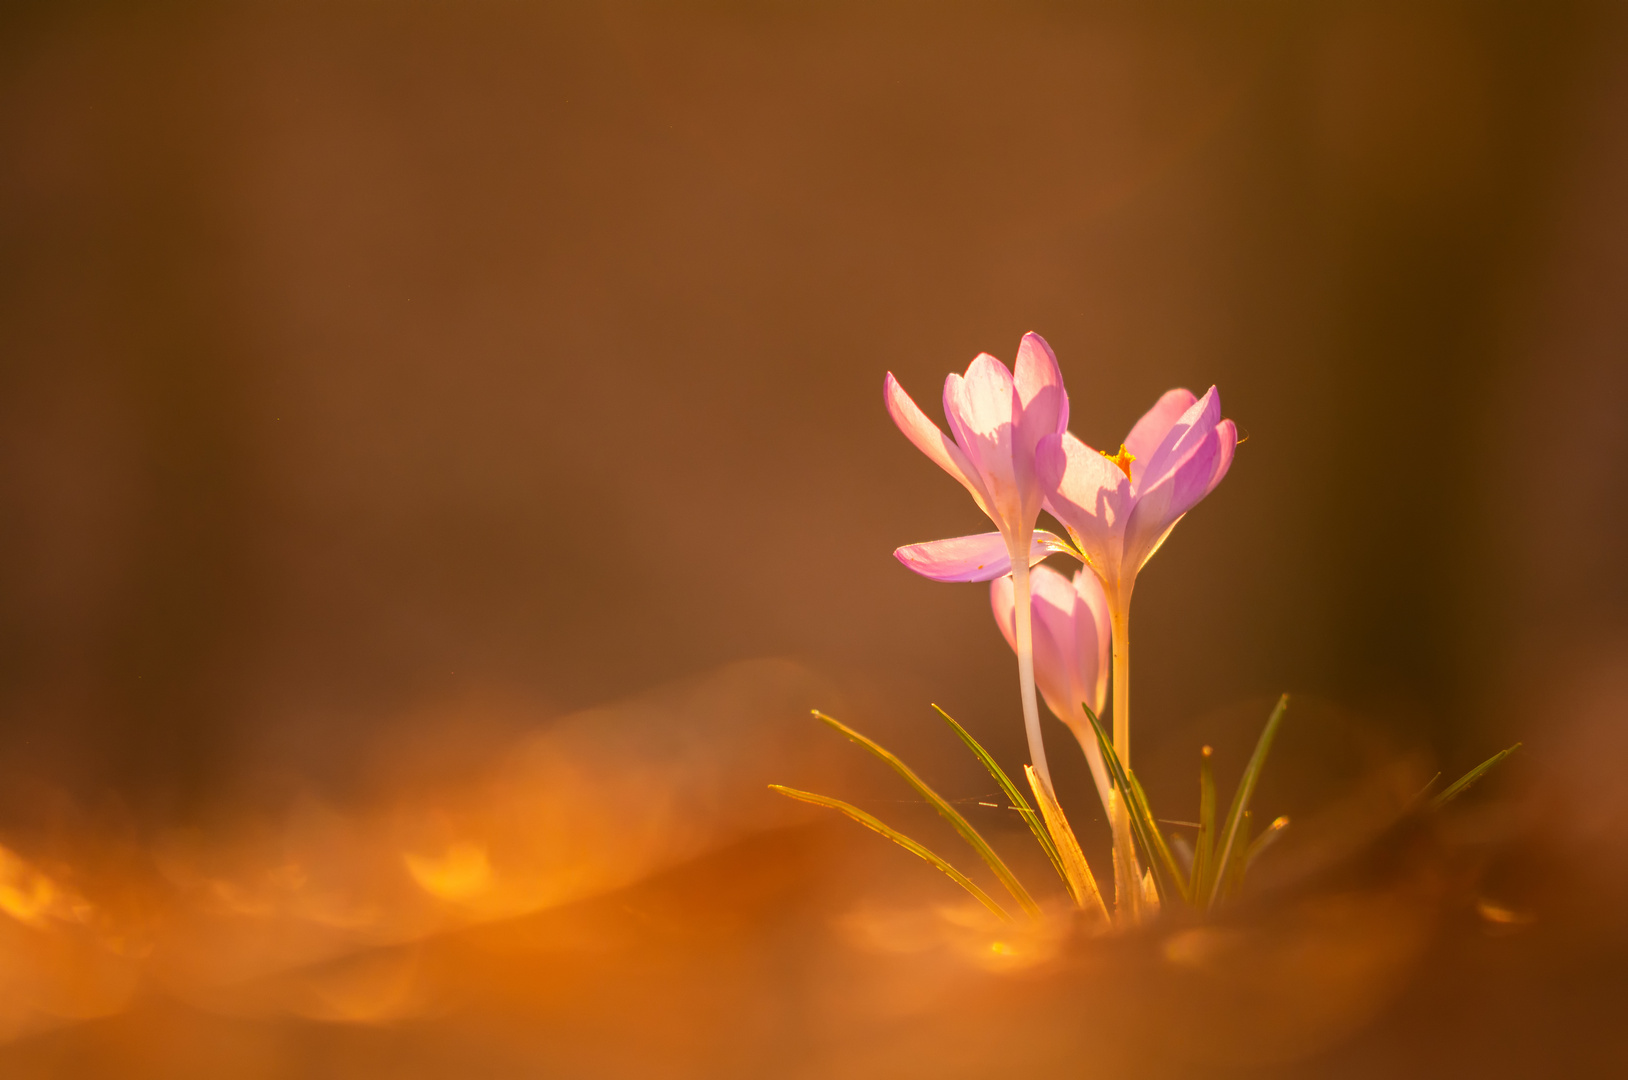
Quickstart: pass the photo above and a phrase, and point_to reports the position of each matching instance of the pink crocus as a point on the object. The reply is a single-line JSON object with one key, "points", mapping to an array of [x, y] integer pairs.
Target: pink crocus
{"points": [[1120, 508], [998, 419], [1071, 633]]}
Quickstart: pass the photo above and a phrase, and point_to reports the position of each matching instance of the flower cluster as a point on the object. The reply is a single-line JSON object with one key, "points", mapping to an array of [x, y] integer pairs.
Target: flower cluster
{"points": [[1010, 447]]}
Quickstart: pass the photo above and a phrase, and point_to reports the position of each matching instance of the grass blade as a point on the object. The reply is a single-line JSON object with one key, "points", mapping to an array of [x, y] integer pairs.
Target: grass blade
{"points": [[1235, 870], [1165, 871], [946, 811], [1265, 840], [1014, 797], [1228, 839], [1462, 784], [1204, 846], [876, 825], [1082, 884]]}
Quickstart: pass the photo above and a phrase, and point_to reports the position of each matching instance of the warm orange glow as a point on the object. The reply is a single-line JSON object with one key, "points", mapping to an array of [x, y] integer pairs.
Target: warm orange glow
{"points": [[463, 873]]}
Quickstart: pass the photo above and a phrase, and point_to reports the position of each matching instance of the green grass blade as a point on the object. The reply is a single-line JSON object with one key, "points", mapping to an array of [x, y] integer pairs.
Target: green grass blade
{"points": [[1462, 784], [1204, 846], [876, 825], [1014, 797], [1235, 870], [946, 811], [1082, 884], [1265, 840], [1166, 874], [1228, 840]]}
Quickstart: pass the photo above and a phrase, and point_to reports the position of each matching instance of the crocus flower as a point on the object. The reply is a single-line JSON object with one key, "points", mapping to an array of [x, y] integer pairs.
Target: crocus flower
{"points": [[1070, 650], [1120, 508], [998, 419]]}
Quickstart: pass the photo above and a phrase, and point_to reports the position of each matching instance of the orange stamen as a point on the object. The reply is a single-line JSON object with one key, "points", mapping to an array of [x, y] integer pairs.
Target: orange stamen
{"points": [[1123, 459]]}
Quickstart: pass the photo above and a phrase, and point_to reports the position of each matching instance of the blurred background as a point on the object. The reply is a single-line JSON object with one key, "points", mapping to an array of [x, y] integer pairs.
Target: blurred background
{"points": [[379, 381]]}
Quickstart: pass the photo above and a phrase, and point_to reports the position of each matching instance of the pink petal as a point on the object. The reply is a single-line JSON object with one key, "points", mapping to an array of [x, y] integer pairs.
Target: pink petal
{"points": [[1052, 613], [991, 397], [1070, 649], [1092, 639], [982, 406], [1191, 428], [1052, 607], [931, 441], [982, 557], [1003, 601], [1086, 492], [1159, 508], [1043, 410], [1039, 383], [1227, 432], [1155, 424]]}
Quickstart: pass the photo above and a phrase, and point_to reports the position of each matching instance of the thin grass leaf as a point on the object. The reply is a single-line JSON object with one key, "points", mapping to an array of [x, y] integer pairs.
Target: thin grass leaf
{"points": [[1266, 839], [1235, 869], [1228, 840], [1014, 797], [946, 811], [1462, 784], [1165, 871], [1165, 857], [876, 825], [1204, 846], [1082, 884]]}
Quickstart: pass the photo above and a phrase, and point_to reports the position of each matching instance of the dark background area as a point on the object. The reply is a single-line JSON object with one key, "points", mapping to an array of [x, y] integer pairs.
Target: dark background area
{"points": [[364, 360]]}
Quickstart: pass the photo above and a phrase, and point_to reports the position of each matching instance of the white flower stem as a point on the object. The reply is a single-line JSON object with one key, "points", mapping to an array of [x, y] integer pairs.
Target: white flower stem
{"points": [[1025, 655], [1127, 871]]}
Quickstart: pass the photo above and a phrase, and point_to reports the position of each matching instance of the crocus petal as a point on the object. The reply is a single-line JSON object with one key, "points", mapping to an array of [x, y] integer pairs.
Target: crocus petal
{"points": [[1039, 383], [1052, 612], [982, 407], [974, 558], [1155, 424], [1178, 491], [1192, 427], [1227, 432], [1086, 492], [931, 441], [1092, 639], [1043, 410], [1070, 621]]}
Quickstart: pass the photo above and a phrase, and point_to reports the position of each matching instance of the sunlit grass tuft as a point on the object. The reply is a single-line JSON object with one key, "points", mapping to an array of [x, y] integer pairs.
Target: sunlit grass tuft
{"points": [[1220, 858]]}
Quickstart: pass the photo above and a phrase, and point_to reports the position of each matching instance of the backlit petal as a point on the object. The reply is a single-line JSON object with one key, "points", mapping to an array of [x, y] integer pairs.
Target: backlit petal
{"points": [[1227, 432], [1155, 424], [986, 405], [1086, 492], [931, 441], [1192, 427], [1070, 649], [1052, 613], [1043, 410], [1092, 639], [982, 557], [1039, 383], [1158, 509]]}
